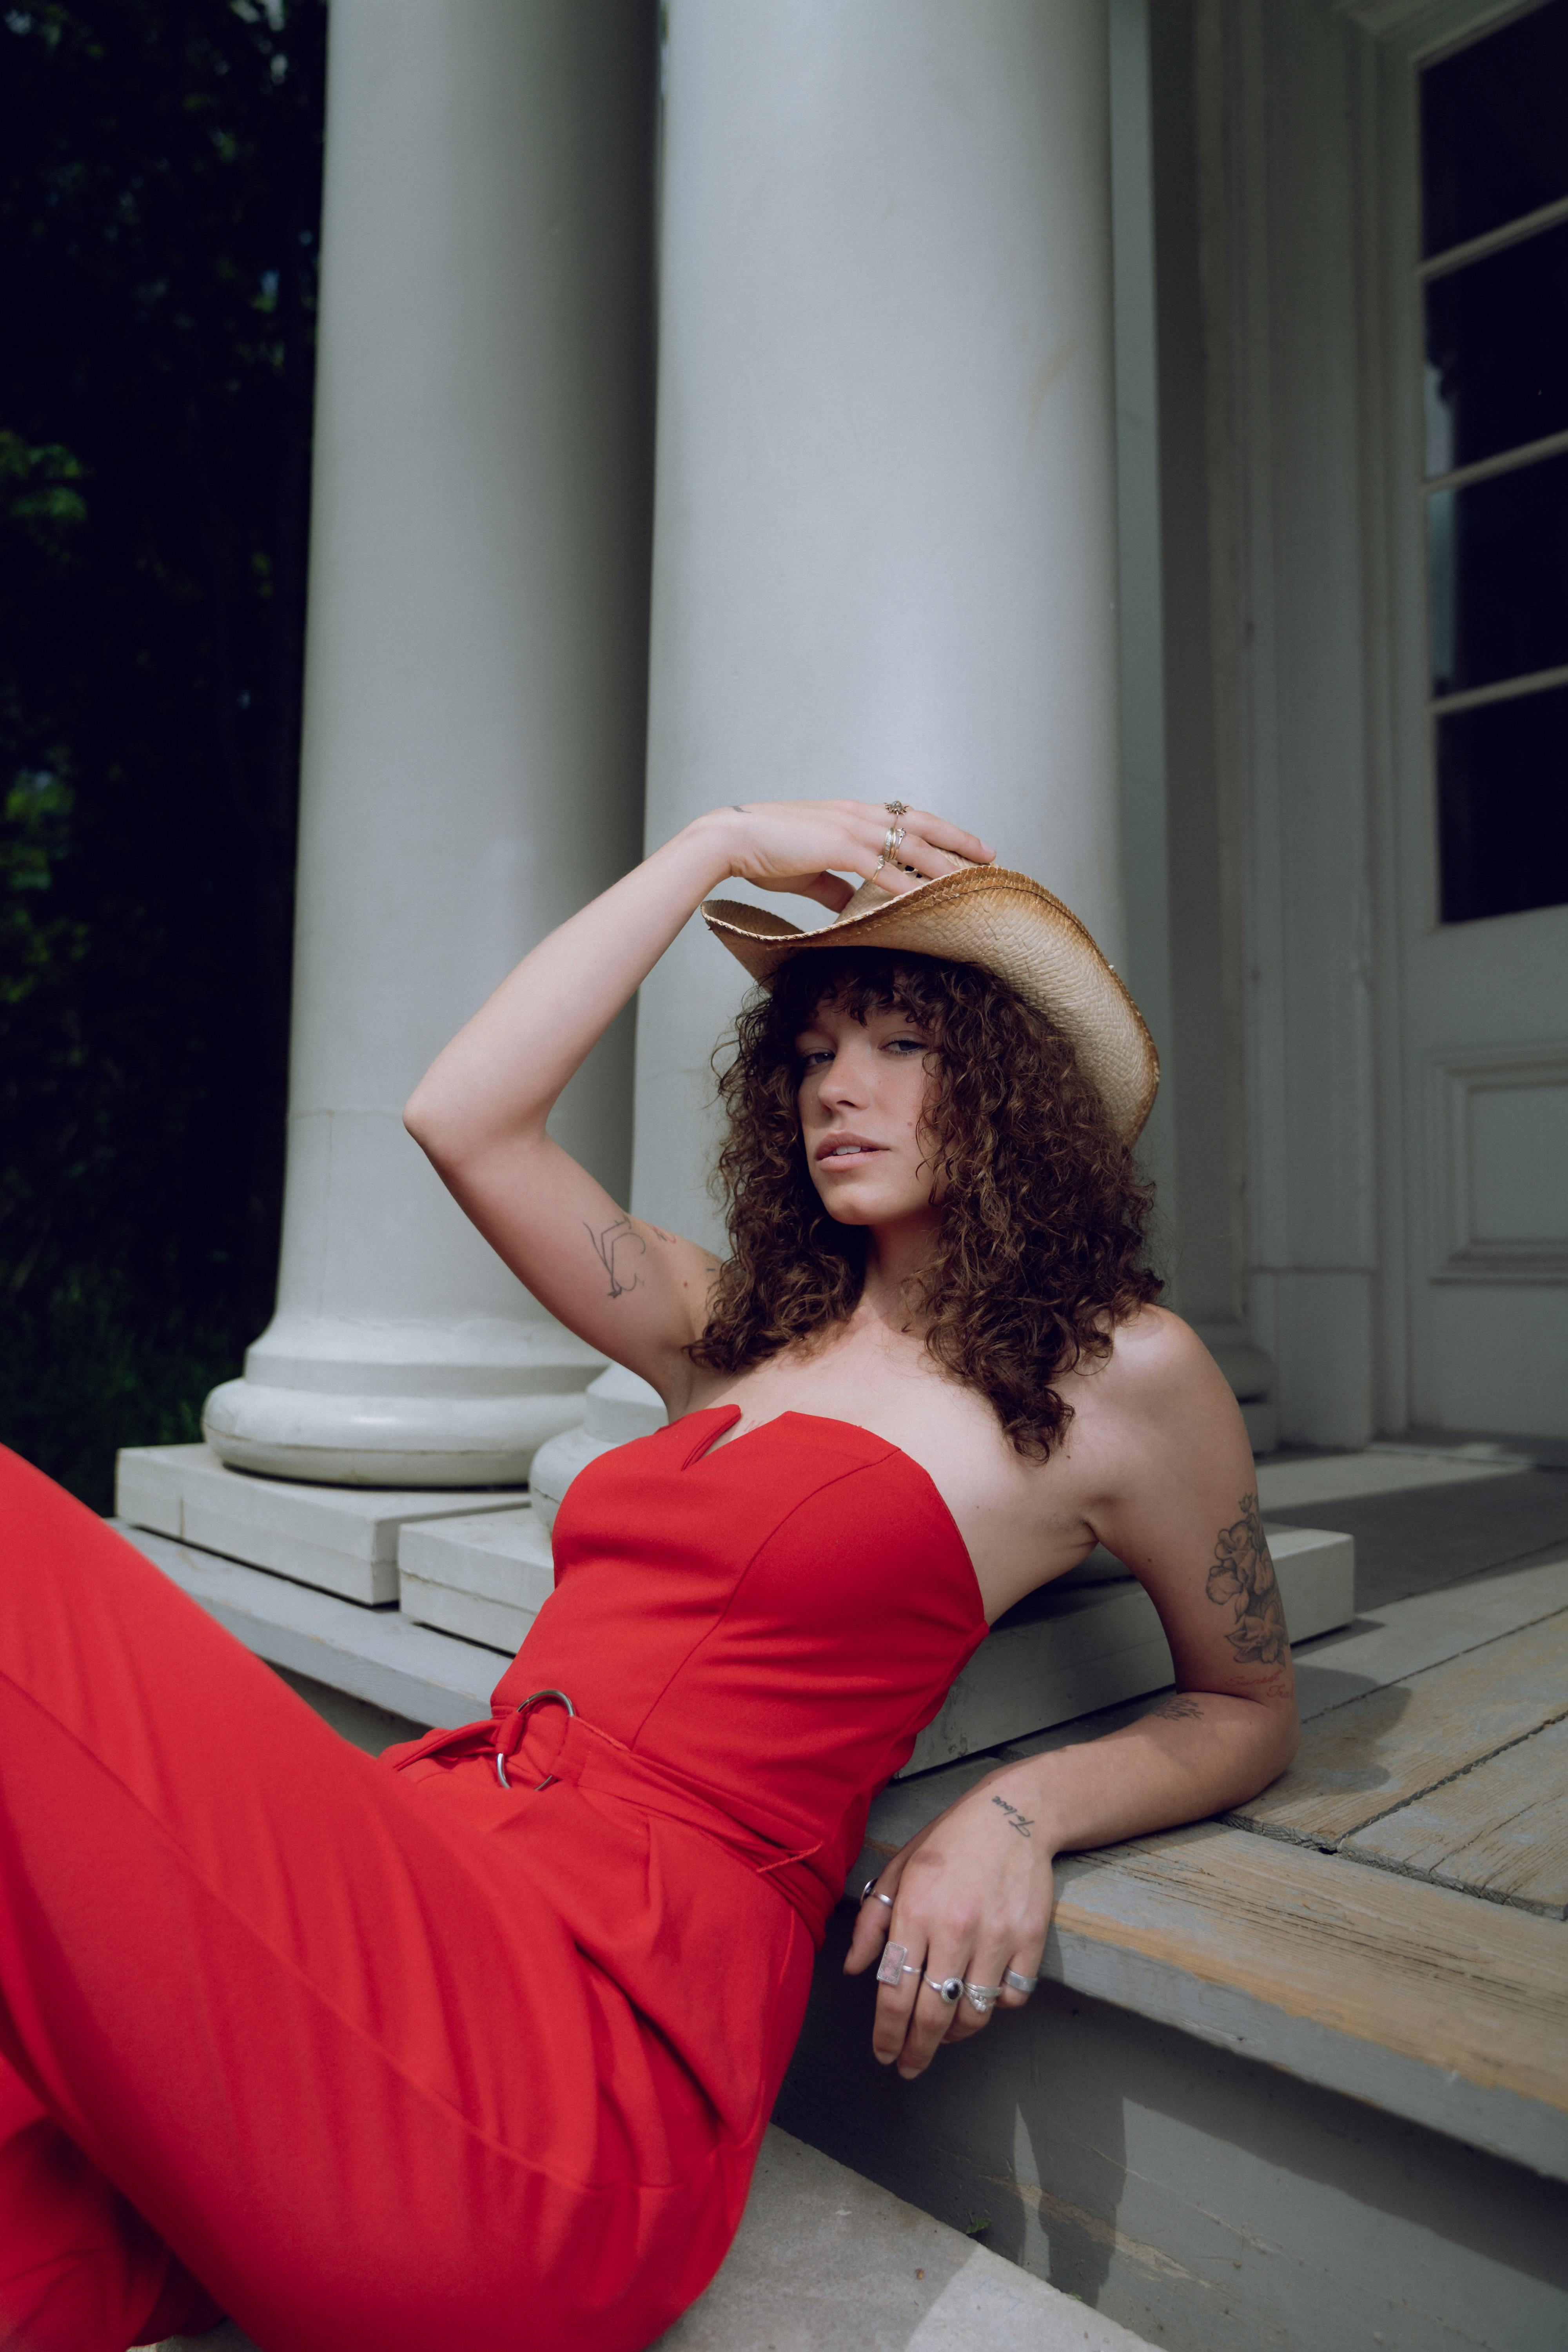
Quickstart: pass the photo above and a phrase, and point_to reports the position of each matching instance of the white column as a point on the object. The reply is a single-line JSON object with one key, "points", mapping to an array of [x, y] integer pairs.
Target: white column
{"points": [[884, 559], [475, 698]]}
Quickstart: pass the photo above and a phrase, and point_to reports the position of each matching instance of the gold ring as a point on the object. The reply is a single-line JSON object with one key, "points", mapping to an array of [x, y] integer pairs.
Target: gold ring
{"points": [[895, 808]]}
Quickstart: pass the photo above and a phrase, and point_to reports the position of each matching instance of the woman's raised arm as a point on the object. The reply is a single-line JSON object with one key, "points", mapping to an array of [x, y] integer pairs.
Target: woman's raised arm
{"points": [[479, 1111]]}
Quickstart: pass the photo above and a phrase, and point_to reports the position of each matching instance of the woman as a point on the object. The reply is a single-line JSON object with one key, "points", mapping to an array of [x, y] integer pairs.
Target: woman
{"points": [[479, 2047]]}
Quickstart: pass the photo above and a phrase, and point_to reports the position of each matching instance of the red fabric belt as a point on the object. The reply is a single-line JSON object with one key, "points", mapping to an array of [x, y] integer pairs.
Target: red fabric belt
{"points": [[540, 1743]]}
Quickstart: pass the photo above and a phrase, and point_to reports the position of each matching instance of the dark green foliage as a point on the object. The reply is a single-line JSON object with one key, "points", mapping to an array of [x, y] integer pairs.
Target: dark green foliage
{"points": [[160, 191]]}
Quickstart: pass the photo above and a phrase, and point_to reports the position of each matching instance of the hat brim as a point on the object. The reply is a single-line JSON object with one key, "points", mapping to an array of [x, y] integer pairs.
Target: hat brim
{"points": [[1008, 924]]}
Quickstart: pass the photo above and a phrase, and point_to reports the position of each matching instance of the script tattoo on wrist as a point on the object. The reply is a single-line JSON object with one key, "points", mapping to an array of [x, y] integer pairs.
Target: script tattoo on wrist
{"points": [[1242, 1577], [616, 1237], [1021, 1823]]}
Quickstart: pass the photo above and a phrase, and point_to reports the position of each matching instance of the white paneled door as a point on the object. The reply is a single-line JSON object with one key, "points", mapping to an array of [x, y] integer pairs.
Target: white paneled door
{"points": [[1473, 165]]}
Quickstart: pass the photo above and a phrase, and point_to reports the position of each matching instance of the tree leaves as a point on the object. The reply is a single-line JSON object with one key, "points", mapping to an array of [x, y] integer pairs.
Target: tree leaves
{"points": [[160, 190]]}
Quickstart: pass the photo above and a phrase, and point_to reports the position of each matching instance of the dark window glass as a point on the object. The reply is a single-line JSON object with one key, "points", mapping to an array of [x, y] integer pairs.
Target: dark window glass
{"points": [[1494, 129], [1503, 800], [1497, 353], [1498, 576]]}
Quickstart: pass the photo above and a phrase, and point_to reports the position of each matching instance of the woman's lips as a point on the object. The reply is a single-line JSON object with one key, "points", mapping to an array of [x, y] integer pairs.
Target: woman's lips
{"points": [[846, 1151]]}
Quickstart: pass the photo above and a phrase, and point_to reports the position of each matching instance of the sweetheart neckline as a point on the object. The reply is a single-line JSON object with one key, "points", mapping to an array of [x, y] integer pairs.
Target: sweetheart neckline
{"points": [[698, 1456]]}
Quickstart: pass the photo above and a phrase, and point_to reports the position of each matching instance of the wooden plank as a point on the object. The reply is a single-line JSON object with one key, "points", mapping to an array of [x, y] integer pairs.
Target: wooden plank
{"points": [[1418, 1970], [1501, 1830], [1362, 1760], [1405, 1636], [1414, 1998]]}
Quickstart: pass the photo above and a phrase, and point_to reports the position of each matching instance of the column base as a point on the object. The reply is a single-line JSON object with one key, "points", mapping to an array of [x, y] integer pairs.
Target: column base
{"points": [[616, 1407], [458, 1405]]}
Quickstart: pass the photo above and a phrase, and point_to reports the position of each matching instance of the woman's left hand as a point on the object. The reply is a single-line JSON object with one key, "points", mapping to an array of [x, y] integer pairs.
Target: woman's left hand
{"points": [[970, 1900]]}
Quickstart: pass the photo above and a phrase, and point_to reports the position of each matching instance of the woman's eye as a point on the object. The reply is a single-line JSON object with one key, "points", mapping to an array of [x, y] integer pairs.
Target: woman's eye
{"points": [[906, 1045]]}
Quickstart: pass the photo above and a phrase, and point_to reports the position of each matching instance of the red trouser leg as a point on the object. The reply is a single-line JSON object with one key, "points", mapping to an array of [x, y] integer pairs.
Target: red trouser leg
{"points": [[343, 2066], [78, 2263]]}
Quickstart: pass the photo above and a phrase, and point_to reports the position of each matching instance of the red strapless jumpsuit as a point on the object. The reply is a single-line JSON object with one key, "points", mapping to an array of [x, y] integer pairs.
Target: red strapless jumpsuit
{"points": [[403, 2057]]}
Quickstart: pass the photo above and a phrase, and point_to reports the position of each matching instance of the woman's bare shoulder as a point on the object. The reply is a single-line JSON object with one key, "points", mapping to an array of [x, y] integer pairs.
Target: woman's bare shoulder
{"points": [[1159, 1371], [1160, 1419], [1154, 1346]]}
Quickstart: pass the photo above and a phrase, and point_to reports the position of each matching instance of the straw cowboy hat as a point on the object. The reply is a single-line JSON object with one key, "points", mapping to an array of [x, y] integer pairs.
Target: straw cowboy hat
{"points": [[1007, 924]]}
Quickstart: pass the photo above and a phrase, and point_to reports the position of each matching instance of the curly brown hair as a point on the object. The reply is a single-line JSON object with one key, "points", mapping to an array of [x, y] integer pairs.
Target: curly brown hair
{"points": [[1040, 1254]]}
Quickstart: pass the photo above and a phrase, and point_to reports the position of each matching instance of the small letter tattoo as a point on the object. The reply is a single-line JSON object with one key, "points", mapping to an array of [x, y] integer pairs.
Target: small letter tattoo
{"points": [[1021, 1823]]}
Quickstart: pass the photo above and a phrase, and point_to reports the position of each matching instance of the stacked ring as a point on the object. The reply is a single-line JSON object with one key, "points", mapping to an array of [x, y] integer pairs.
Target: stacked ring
{"points": [[891, 842], [983, 1997]]}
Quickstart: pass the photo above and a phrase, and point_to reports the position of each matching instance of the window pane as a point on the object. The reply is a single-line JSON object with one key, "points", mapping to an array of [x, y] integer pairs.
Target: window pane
{"points": [[1497, 353], [1494, 129], [1498, 576], [1502, 799]]}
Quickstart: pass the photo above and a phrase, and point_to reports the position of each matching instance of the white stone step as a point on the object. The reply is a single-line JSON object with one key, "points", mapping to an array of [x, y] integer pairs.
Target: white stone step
{"points": [[826, 2262], [1075, 1648], [376, 1654], [1079, 1648], [484, 1578], [1081, 1644], [341, 1539]]}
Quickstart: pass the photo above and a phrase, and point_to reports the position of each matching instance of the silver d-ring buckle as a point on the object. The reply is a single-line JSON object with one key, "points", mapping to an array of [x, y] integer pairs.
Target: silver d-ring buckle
{"points": [[533, 1700]]}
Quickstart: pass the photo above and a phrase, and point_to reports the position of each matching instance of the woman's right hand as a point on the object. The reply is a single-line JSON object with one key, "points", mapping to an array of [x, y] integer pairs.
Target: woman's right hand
{"points": [[796, 845]]}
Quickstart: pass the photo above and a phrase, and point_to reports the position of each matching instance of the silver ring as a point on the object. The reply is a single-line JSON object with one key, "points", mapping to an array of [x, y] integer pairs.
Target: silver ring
{"points": [[869, 1893], [895, 808], [892, 841], [1019, 1983], [983, 1997], [946, 1988], [530, 1701]]}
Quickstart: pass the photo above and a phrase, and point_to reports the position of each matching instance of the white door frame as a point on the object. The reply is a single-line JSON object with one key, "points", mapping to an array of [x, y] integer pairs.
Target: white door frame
{"points": [[1396, 37]]}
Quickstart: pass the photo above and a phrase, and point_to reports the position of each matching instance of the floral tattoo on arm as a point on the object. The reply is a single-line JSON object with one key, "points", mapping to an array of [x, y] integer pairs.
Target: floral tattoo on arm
{"points": [[1242, 1578]]}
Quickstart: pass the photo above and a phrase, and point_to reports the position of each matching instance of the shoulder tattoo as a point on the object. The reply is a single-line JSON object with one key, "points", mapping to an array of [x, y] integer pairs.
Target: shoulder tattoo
{"points": [[1242, 1579]]}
